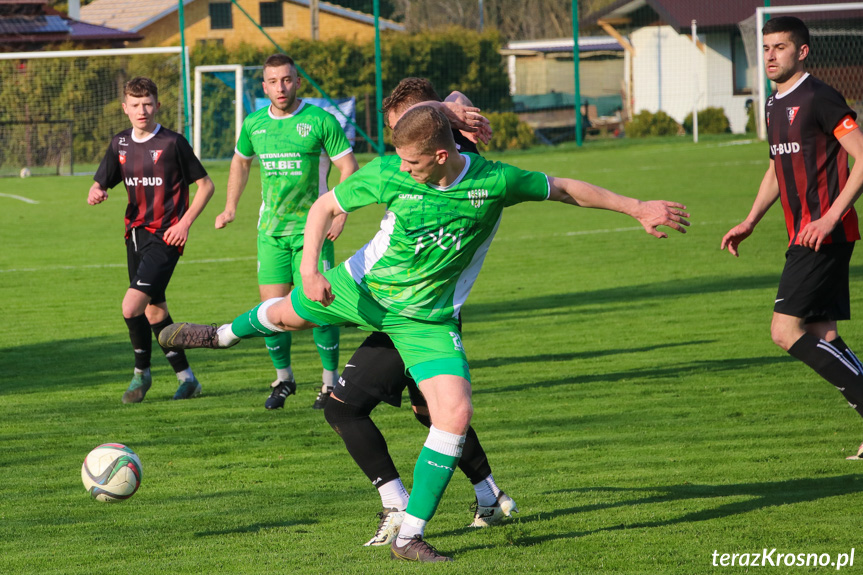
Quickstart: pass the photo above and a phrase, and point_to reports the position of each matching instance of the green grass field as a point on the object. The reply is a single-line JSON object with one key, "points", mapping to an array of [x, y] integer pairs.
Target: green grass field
{"points": [[625, 388]]}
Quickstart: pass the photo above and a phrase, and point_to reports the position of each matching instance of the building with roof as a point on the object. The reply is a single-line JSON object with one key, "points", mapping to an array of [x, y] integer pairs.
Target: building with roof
{"points": [[32, 25], [223, 22], [545, 66], [666, 70], [542, 82]]}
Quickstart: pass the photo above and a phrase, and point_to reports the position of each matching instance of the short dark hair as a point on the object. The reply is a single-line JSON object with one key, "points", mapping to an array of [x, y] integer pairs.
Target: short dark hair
{"points": [[408, 92], [278, 60], [426, 126], [794, 26], [140, 87]]}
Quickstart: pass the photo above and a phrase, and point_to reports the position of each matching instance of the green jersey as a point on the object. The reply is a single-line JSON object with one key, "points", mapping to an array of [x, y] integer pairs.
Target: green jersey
{"points": [[433, 240], [289, 150]]}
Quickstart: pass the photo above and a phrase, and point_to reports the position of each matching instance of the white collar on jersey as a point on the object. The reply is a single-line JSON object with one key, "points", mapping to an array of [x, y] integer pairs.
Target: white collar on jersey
{"points": [[297, 111], [458, 179], [792, 88], [148, 138]]}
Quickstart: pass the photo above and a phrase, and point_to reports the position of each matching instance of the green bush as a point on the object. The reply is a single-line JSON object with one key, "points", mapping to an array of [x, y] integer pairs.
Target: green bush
{"points": [[508, 133], [646, 124], [88, 91], [751, 126], [452, 59], [710, 121]]}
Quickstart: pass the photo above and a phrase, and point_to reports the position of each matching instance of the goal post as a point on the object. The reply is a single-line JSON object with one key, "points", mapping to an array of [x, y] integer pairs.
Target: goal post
{"points": [[836, 55], [237, 69], [42, 91]]}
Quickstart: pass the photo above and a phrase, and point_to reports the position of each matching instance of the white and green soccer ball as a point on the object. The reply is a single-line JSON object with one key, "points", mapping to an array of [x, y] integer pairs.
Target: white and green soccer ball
{"points": [[111, 472], [25, 172]]}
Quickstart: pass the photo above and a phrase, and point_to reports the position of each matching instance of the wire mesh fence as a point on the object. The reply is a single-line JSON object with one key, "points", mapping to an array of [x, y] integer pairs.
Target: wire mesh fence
{"points": [[626, 69], [41, 97]]}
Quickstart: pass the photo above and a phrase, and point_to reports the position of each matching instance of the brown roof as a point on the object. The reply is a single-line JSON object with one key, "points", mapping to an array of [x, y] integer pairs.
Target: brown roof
{"points": [[135, 15], [707, 13]]}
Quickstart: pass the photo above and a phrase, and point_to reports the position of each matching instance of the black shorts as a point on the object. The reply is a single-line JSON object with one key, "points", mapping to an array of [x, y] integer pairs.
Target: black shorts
{"points": [[151, 263], [376, 369], [814, 285]]}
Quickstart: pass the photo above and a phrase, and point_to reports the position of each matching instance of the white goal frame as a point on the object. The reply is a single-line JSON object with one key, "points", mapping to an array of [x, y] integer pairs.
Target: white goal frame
{"points": [[184, 90], [237, 69], [759, 23], [107, 52]]}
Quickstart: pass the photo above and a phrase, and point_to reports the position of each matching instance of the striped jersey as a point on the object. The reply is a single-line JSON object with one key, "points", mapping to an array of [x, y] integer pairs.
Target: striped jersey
{"points": [[289, 149], [157, 172], [433, 240], [811, 166]]}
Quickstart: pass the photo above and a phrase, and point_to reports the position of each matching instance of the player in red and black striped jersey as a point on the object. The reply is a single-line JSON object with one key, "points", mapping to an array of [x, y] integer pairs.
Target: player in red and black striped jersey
{"points": [[157, 166], [804, 126], [811, 132]]}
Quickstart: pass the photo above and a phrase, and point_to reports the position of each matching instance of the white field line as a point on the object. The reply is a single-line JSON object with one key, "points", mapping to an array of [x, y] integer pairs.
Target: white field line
{"points": [[694, 148], [665, 167], [609, 231], [21, 198], [249, 258], [123, 265]]}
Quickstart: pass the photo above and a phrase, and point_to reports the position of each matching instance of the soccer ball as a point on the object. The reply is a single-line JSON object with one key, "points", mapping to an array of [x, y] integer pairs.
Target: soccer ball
{"points": [[111, 472], [25, 172]]}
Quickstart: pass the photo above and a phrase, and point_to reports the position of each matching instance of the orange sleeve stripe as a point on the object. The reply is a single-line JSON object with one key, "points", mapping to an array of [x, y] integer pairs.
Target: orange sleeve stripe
{"points": [[844, 127]]}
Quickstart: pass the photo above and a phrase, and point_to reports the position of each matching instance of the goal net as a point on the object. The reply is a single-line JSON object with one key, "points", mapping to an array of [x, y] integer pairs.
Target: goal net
{"points": [[58, 110], [36, 148], [224, 96], [836, 50]]}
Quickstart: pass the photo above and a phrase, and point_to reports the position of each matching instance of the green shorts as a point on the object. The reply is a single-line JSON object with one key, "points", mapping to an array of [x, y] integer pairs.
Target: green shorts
{"points": [[279, 259], [427, 348]]}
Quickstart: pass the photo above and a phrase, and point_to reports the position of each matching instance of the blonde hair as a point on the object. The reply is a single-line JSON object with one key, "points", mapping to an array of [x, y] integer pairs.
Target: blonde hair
{"points": [[426, 127]]}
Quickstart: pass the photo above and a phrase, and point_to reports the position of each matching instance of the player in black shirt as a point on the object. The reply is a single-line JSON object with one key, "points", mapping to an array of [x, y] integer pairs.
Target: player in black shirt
{"points": [[376, 373], [811, 132], [157, 166]]}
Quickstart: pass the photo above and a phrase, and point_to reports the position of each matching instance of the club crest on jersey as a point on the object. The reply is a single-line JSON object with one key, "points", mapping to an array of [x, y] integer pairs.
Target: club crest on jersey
{"points": [[304, 129], [155, 154], [477, 197], [122, 156], [792, 113]]}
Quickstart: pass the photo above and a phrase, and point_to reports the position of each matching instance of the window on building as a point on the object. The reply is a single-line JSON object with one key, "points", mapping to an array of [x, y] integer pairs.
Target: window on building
{"points": [[272, 15], [220, 16], [744, 74]]}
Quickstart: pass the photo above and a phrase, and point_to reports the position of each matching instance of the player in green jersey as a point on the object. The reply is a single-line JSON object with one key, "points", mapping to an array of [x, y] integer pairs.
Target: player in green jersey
{"points": [[289, 136], [443, 209]]}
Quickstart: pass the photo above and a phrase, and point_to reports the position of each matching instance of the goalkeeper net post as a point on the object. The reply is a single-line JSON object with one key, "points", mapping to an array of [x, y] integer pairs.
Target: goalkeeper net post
{"points": [[237, 69]]}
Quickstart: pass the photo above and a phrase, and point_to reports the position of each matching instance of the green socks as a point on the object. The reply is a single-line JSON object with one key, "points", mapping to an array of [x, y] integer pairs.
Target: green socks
{"points": [[435, 465], [248, 324], [254, 323], [327, 342], [279, 348]]}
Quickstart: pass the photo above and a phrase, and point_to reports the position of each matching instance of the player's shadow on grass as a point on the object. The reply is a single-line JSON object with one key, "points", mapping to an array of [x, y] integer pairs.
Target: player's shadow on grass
{"points": [[88, 362], [581, 355], [760, 496], [619, 295], [672, 373]]}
